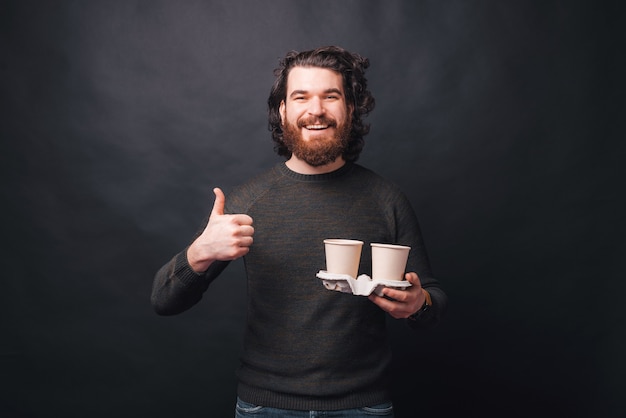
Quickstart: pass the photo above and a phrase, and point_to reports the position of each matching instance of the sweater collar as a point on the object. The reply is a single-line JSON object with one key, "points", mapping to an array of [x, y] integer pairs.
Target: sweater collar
{"points": [[341, 171]]}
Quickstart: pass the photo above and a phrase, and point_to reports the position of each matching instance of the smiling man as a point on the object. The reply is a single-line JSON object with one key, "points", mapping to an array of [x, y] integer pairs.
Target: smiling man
{"points": [[315, 119], [307, 350]]}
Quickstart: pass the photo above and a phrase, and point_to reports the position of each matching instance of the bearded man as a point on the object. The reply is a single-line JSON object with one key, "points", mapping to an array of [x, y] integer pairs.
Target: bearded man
{"points": [[308, 349]]}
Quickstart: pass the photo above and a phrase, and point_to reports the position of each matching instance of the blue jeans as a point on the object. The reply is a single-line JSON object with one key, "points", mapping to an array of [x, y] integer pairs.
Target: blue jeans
{"points": [[246, 410]]}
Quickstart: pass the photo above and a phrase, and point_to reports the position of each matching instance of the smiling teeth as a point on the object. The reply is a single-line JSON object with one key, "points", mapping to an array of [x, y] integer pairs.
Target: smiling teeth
{"points": [[317, 126]]}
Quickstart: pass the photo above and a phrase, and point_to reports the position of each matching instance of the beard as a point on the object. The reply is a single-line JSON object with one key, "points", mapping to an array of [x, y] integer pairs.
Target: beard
{"points": [[321, 149]]}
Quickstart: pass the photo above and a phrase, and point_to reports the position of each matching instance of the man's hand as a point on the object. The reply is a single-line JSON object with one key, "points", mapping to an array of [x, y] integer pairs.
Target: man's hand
{"points": [[226, 237], [405, 302]]}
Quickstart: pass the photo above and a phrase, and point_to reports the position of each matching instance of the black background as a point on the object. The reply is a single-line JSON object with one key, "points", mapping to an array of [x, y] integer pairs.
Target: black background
{"points": [[503, 122]]}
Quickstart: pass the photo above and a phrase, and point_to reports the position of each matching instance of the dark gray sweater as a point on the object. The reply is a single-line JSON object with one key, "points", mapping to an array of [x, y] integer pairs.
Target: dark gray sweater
{"points": [[307, 347]]}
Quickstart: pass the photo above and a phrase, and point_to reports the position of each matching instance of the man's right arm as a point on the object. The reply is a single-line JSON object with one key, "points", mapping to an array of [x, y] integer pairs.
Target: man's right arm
{"points": [[179, 284]]}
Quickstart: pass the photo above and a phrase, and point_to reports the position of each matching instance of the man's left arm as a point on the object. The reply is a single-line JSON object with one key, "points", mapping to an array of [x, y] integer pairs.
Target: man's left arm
{"points": [[424, 302]]}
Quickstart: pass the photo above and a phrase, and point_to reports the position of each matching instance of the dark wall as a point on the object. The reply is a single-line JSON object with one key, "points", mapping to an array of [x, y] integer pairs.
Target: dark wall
{"points": [[503, 122]]}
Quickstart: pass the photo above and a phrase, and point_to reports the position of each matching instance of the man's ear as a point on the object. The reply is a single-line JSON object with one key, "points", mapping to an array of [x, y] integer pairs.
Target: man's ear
{"points": [[281, 110]]}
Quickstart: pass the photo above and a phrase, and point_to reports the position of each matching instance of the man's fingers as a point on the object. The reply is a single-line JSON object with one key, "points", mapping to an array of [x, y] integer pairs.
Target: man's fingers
{"points": [[220, 200], [247, 230], [241, 219]]}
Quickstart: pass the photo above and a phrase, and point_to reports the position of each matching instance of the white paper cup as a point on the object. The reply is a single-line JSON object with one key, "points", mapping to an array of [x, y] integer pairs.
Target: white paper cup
{"points": [[389, 261], [343, 256]]}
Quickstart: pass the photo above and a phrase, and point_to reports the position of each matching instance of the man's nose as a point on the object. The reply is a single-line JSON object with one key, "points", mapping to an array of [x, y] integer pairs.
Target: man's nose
{"points": [[315, 106]]}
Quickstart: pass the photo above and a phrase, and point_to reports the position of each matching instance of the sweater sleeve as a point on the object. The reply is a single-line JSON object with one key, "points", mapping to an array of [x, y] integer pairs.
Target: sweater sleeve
{"points": [[176, 287], [409, 233]]}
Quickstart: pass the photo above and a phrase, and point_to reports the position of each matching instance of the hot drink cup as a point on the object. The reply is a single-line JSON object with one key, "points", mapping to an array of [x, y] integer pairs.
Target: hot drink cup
{"points": [[389, 261], [343, 256]]}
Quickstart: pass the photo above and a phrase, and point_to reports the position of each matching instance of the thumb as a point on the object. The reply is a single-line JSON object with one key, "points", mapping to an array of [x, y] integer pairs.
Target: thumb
{"points": [[413, 278], [218, 205]]}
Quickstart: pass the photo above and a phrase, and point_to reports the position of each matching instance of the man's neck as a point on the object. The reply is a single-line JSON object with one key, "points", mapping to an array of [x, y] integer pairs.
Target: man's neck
{"points": [[302, 167]]}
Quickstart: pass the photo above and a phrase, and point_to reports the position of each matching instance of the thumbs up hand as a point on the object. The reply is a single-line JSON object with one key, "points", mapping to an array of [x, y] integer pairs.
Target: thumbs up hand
{"points": [[226, 237]]}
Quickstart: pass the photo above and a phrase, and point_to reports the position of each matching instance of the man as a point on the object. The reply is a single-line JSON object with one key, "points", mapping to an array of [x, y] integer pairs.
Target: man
{"points": [[307, 348]]}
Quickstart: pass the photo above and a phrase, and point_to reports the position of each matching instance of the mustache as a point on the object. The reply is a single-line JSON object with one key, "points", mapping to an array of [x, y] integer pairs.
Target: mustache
{"points": [[317, 121]]}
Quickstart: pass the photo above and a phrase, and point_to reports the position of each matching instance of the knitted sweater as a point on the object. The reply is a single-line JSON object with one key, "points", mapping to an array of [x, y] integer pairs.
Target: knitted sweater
{"points": [[306, 347]]}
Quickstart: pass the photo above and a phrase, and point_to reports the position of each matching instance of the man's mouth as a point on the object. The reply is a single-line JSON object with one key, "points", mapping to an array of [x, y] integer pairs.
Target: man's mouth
{"points": [[316, 127], [317, 124]]}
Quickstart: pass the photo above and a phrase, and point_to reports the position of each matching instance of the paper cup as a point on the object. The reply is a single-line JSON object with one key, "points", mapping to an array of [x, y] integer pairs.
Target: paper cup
{"points": [[343, 256], [389, 261]]}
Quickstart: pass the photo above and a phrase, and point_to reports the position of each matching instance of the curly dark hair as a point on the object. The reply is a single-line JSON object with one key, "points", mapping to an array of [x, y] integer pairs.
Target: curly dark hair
{"points": [[352, 69]]}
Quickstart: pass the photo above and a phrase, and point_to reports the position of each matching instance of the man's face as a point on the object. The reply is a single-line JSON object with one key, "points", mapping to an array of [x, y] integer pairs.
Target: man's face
{"points": [[315, 116]]}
